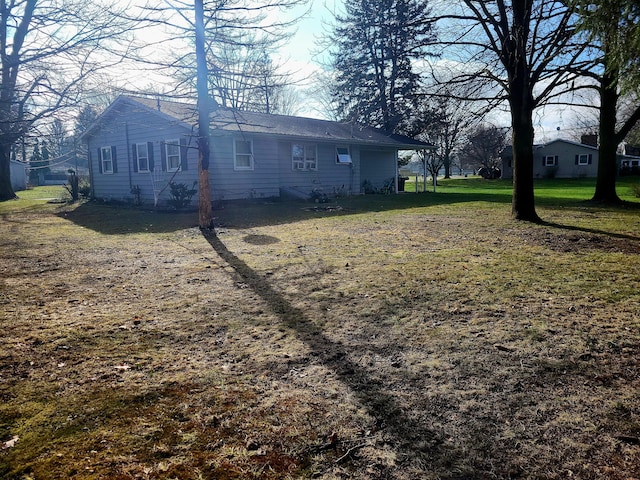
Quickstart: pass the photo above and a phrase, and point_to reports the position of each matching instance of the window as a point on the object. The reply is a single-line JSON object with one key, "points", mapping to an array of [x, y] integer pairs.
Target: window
{"points": [[583, 159], [106, 159], [172, 150], [142, 156], [243, 155], [342, 155], [304, 157], [550, 161]]}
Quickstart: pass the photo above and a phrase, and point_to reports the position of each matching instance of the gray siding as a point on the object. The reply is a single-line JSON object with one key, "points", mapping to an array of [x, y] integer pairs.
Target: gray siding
{"points": [[122, 130], [228, 183], [566, 153], [330, 177], [378, 166]]}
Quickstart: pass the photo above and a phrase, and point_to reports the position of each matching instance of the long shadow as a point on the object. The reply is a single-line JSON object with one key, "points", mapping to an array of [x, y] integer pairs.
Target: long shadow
{"points": [[573, 228], [382, 406]]}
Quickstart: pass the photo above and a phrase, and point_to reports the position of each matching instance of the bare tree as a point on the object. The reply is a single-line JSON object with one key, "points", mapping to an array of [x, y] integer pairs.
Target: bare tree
{"points": [[48, 50], [484, 146], [522, 48]]}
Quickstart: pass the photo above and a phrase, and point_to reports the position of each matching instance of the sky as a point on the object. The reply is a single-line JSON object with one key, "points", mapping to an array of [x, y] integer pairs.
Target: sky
{"points": [[299, 56]]}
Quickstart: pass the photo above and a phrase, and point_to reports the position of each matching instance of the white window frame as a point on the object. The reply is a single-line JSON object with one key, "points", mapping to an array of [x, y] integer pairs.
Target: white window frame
{"points": [[309, 158], [242, 155], [104, 153], [343, 157], [550, 161], [172, 143], [145, 157], [582, 162]]}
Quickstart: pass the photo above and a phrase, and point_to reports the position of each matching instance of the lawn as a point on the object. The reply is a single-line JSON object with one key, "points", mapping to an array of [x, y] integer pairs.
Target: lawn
{"points": [[379, 337]]}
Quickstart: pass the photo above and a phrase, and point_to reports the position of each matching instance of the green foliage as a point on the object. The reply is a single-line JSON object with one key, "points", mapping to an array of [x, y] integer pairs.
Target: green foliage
{"points": [[373, 45], [181, 194]]}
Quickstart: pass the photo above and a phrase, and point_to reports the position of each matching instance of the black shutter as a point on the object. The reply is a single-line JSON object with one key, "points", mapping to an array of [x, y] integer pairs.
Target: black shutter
{"points": [[590, 159], [134, 156], [555, 160], [544, 161], [99, 160], [163, 156], [150, 156], [184, 163], [114, 159], [577, 159]]}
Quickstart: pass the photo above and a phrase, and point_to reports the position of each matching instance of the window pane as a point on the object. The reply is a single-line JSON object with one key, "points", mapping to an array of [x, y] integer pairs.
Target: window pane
{"points": [[243, 147]]}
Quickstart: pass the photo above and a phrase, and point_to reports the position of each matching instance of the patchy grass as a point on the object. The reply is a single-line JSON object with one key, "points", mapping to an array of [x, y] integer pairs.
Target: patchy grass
{"points": [[402, 337]]}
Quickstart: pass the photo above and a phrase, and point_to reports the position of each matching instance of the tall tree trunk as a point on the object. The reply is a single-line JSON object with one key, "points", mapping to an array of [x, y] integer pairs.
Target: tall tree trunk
{"points": [[205, 217], [607, 150], [6, 190], [523, 202]]}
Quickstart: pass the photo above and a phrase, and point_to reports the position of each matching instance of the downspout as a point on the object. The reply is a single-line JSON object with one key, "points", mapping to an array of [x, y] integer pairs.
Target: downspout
{"points": [[128, 148], [396, 179]]}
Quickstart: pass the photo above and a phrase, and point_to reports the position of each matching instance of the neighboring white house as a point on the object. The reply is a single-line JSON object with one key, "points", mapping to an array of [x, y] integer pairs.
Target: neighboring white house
{"points": [[140, 144], [557, 159], [18, 176]]}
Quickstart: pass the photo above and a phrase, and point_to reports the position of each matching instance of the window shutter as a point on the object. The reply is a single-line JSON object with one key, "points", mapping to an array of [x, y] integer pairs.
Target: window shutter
{"points": [[99, 160], [544, 161], [577, 159], [114, 159], [555, 160], [184, 164], [150, 156], [163, 156], [134, 151], [590, 159]]}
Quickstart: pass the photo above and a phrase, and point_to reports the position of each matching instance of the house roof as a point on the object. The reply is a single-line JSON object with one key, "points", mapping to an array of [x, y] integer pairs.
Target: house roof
{"points": [[224, 120], [569, 142]]}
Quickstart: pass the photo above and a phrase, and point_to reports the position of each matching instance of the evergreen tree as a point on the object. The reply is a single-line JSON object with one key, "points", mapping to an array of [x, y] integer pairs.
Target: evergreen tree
{"points": [[374, 43]]}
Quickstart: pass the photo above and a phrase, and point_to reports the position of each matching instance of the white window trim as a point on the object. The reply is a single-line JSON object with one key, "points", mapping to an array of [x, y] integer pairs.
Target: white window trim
{"points": [[171, 143], [305, 163], [342, 158], [235, 155], [102, 160], [146, 149], [582, 156], [549, 160]]}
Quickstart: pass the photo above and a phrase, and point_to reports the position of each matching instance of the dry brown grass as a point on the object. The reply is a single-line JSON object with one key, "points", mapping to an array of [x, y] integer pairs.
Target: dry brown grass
{"points": [[410, 340]]}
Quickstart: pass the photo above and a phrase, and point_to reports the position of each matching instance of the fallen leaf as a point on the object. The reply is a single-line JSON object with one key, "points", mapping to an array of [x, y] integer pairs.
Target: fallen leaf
{"points": [[10, 443]]}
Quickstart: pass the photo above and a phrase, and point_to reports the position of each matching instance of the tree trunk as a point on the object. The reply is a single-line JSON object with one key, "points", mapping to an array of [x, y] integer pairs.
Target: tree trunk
{"points": [[6, 190], [523, 202], [205, 217], [607, 150]]}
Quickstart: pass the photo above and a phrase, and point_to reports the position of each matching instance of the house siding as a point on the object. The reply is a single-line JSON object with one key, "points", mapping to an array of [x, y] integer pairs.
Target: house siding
{"points": [[566, 153], [227, 183], [126, 128], [378, 166]]}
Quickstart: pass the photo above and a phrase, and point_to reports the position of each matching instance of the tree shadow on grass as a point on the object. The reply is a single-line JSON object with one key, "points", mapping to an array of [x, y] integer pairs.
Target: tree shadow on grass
{"points": [[412, 439]]}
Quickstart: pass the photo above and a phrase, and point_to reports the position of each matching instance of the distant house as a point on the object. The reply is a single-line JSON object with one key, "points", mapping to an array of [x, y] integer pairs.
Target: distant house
{"points": [[141, 144], [558, 159], [18, 176]]}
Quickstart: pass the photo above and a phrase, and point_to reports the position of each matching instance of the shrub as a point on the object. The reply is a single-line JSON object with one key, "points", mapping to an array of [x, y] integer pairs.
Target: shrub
{"points": [[635, 188], [181, 194]]}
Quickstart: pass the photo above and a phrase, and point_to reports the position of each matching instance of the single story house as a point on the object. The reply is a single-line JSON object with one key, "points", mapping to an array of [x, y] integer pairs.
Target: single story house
{"points": [[18, 175], [141, 144], [558, 159]]}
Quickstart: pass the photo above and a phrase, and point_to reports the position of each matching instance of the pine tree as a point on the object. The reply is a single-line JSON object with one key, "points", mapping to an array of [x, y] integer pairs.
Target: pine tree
{"points": [[375, 44]]}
